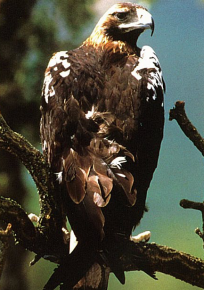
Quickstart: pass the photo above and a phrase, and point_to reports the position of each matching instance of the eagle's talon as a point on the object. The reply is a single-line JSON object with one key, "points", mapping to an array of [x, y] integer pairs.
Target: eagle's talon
{"points": [[142, 237], [33, 217]]}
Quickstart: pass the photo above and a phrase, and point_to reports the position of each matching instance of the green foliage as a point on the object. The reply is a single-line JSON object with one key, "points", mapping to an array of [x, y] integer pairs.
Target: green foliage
{"points": [[54, 25]]}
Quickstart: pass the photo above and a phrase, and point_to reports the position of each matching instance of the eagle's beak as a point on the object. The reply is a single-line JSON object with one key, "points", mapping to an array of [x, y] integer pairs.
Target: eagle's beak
{"points": [[142, 21], [152, 27]]}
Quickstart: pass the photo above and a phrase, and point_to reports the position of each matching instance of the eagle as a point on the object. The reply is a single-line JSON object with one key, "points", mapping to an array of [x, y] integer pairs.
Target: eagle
{"points": [[101, 130]]}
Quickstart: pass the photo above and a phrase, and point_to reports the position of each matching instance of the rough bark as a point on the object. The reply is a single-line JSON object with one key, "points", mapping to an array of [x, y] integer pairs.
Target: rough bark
{"points": [[178, 113]]}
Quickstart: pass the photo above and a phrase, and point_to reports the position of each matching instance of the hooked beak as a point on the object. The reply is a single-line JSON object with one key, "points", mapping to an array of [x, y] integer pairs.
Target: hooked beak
{"points": [[152, 27], [142, 21]]}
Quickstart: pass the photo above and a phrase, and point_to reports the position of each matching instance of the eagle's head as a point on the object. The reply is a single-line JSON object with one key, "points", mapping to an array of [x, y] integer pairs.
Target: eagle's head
{"points": [[123, 22]]}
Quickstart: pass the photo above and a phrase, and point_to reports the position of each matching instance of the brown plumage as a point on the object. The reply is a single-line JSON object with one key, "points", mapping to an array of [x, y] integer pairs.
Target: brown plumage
{"points": [[101, 128]]}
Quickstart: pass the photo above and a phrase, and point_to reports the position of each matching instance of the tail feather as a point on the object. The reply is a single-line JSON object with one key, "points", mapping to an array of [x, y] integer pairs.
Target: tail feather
{"points": [[115, 265], [96, 278], [72, 269], [97, 170]]}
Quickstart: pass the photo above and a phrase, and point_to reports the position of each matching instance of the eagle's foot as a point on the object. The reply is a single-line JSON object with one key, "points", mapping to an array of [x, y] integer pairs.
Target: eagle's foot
{"points": [[142, 237], [33, 217]]}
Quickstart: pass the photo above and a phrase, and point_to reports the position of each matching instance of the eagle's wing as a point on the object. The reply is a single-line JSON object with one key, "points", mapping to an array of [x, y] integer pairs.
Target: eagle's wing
{"points": [[151, 122]]}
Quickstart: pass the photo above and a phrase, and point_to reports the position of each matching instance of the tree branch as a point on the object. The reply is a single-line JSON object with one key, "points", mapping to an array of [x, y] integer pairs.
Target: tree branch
{"points": [[30, 237], [149, 258], [188, 204], [4, 236], [36, 164], [153, 257], [11, 212], [178, 113], [51, 219]]}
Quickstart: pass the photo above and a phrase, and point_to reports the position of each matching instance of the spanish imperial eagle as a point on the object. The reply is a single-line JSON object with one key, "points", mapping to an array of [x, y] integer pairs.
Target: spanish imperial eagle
{"points": [[101, 129]]}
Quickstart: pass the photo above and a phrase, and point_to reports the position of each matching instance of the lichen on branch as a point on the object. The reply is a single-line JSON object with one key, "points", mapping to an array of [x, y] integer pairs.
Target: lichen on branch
{"points": [[51, 219], [4, 238]]}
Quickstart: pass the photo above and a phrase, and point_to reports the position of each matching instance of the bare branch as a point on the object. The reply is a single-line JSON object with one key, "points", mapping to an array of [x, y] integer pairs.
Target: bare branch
{"points": [[178, 113], [200, 234], [51, 219], [33, 160], [4, 236], [30, 237], [11, 212], [188, 204], [153, 257], [149, 258], [185, 203]]}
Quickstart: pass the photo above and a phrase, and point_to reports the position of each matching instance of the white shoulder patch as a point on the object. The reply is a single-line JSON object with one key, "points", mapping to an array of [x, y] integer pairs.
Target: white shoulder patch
{"points": [[149, 60], [58, 58]]}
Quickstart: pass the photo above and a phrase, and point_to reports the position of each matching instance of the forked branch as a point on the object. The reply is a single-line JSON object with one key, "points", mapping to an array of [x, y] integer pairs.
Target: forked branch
{"points": [[178, 113]]}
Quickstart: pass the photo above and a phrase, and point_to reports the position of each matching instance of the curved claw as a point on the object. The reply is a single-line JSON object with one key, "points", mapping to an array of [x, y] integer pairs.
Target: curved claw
{"points": [[142, 237]]}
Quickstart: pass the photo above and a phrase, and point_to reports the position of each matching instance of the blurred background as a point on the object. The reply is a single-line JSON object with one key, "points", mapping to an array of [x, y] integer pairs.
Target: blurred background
{"points": [[30, 31]]}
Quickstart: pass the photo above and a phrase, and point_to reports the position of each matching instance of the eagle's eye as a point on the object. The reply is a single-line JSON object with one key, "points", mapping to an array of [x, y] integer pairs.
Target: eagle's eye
{"points": [[121, 15]]}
